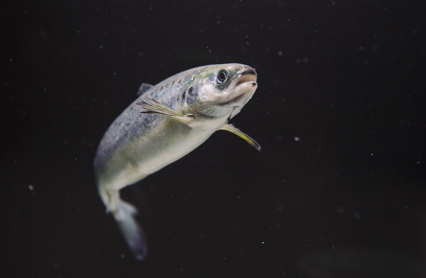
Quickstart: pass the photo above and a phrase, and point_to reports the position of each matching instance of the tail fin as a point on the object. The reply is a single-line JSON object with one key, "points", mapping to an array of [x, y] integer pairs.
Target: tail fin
{"points": [[130, 229], [124, 213]]}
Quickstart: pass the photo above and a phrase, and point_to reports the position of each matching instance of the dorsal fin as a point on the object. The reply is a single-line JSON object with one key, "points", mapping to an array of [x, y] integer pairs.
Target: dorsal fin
{"points": [[143, 88]]}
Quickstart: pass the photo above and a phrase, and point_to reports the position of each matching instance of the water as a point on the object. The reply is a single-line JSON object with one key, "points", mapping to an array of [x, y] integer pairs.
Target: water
{"points": [[338, 81]]}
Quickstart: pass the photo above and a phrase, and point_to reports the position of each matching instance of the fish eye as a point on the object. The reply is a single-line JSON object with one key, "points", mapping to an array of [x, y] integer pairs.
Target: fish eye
{"points": [[222, 76]]}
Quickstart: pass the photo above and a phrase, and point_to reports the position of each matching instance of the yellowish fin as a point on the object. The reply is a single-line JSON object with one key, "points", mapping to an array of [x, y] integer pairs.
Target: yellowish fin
{"points": [[236, 131], [150, 105]]}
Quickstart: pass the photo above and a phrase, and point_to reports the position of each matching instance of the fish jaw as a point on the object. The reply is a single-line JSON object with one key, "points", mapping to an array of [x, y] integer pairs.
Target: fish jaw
{"points": [[242, 88], [213, 98]]}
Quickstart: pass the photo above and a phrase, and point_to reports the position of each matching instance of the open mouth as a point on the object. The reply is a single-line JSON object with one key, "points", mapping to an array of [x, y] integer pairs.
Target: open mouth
{"points": [[247, 76]]}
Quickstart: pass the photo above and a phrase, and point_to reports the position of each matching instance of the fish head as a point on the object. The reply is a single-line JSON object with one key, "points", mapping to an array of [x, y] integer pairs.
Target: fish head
{"points": [[221, 90]]}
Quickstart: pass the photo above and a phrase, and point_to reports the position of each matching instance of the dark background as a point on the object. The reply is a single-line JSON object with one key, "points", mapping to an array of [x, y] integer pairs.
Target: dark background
{"points": [[338, 189]]}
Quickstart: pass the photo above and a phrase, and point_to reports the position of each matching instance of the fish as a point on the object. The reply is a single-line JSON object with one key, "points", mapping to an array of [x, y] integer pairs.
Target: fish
{"points": [[166, 122]]}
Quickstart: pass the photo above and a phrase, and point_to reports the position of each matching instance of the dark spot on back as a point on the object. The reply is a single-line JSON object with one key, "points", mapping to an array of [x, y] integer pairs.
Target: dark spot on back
{"points": [[161, 88], [179, 81], [173, 83], [190, 90]]}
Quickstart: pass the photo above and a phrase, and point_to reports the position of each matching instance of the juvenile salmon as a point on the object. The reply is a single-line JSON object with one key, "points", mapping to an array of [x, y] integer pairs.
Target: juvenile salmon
{"points": [[165, 123]]}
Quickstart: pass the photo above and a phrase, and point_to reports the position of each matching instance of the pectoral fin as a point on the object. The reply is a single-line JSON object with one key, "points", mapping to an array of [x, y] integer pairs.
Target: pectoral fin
{"points": [[236, 131], [150, 105]]}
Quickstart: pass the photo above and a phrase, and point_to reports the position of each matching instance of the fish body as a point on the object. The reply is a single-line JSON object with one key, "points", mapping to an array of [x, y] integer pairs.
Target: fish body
{"points": [[166, 122]]}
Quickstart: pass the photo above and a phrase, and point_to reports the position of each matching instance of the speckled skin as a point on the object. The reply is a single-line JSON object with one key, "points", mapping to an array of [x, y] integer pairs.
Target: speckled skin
{"points": [[135, 137], [139, 144]]}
